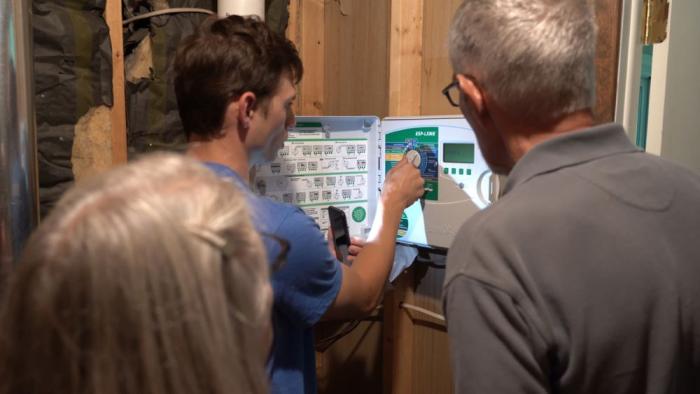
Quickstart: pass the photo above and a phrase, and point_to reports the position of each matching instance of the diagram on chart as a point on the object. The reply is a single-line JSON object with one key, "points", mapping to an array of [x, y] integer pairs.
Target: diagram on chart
{"points": [[313, 172]]}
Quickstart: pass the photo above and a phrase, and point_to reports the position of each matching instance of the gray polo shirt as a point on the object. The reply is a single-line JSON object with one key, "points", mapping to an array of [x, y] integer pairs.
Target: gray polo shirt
{"points": [[583, 278]]}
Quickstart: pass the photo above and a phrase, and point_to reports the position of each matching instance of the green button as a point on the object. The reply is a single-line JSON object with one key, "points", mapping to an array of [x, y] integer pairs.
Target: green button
{"points": [[446, 170], [469, 172], [454, 171], [461, 171]]}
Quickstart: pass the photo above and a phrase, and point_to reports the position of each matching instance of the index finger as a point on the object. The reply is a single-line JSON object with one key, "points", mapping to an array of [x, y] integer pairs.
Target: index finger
{"points": [[403, 161]]}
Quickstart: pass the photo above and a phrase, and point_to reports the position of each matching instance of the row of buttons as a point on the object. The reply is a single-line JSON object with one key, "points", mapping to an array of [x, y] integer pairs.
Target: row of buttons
{"points": [[454, 171]]}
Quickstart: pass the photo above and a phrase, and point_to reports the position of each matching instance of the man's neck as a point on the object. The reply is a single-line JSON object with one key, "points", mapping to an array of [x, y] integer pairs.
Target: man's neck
{"points": [[222, 150], [522, 139]]}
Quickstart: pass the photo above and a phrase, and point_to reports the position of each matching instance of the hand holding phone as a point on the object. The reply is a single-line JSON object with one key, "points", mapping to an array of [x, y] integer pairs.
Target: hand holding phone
{"points": [[341, 234]]}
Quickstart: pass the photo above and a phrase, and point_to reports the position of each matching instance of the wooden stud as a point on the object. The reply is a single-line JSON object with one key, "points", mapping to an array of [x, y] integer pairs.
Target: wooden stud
{"points": [[405, 57], [293, 22], [398, 337], [113, 16], [431, 357], [292, 34], [405, 62], [608, 14]]}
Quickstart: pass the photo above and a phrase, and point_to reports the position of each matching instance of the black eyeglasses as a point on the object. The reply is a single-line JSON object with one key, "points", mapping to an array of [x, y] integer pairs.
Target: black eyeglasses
{"points": [[452, 90], [451, 93]]}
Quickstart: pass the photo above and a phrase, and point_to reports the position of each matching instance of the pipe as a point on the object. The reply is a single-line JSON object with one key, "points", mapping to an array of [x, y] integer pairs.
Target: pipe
{"points": [[241, 7], [167, 11], [19, 208]]}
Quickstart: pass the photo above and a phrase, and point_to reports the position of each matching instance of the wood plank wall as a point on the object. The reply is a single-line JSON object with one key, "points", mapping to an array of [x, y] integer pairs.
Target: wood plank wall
{"points": [[344, 46], [368, 68], [356, 60], [405, 57], [310, 42], [437, 71], [608, 14]]}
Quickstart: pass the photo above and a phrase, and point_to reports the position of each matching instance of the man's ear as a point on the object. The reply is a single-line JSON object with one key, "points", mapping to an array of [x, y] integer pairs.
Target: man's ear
{"points": [[472, 92], [245, 108]]}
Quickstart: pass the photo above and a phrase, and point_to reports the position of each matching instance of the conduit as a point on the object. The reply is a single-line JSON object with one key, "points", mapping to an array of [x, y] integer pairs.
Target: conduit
{"points": [[18, 170], [241, 7]]}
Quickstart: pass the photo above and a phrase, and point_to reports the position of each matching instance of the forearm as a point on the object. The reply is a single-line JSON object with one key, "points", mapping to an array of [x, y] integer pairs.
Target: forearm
{"points": [[363, 282], [374, 263]]}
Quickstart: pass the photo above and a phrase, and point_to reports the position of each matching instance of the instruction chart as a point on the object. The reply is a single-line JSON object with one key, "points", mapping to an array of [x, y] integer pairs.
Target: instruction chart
{"points": [[313, 172]]}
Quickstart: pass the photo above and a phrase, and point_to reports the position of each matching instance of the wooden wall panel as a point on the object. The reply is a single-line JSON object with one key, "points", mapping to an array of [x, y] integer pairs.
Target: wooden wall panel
{"points": [[437, 71], [354, 363], [305, 18], [431, 365], [113, 17], [608, 14], [398, 336], [356, 57], [405, 84], [431, 369], [405, 57], [351, 38], [389, 57]]}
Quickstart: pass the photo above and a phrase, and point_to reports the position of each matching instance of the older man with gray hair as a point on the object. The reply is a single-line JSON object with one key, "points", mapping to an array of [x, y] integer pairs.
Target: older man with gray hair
{"points": [[583, 277]]}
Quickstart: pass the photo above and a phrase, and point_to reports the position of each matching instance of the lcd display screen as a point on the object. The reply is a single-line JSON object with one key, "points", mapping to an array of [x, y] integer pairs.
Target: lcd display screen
{"points": [[458, 153]]}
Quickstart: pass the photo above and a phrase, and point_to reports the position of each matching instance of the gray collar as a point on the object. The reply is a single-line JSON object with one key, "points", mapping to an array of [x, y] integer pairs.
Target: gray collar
{"points": [[570, 149]]}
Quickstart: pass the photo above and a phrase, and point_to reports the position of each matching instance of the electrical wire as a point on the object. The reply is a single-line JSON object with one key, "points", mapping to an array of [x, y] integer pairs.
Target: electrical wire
{"points": [[422, 310], [437, 266], [430, 263], [323, 344], [168, 11]]}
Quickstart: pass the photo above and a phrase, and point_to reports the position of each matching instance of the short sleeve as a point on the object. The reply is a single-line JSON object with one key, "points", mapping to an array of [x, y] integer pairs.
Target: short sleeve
{"points": [[490, 344], [309, 282]]}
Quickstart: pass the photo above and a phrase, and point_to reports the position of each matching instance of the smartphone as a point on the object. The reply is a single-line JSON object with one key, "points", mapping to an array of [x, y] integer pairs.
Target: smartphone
{"points": [[341, 234]]}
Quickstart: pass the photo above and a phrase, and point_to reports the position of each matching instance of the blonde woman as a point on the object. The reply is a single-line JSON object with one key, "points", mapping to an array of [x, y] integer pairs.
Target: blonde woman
{"points": [[149, 279]]}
